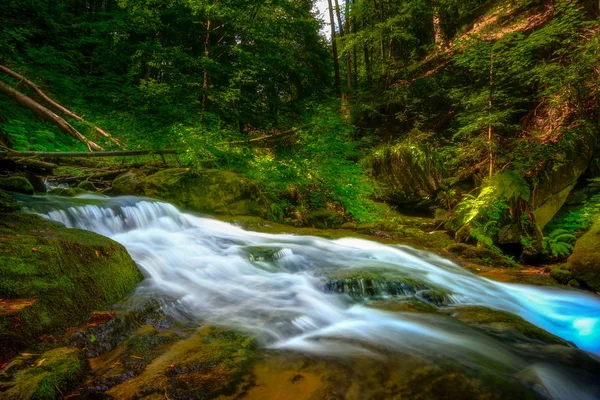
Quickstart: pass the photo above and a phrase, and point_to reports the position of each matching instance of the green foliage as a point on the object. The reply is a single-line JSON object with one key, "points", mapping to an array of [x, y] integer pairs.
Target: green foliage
{"points": [[559, 243], [486, 213], [578, 221]]}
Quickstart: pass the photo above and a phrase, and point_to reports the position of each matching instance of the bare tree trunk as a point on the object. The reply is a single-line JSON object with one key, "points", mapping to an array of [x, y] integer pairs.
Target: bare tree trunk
{"points": [[205, 82], [51, 102], [336, 63], [348, 59], [45, 113], [490, 104]]}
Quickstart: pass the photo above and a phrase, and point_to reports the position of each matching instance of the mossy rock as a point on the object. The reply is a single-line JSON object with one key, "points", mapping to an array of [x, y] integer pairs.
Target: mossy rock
{"points": [[64, 274], [87, 186], [372, 283], [480, 255], [503, 325], [49, 376], [67, 192], [17, 184], [561, 275], [324, 219], [8, 203], [584, 263], [211, 191], [209, 363]]}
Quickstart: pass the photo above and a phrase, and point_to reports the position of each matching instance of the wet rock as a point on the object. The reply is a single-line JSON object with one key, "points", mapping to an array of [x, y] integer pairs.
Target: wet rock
{"points": [[87, 186], [561, 275], [372, 284], [584, 263], [8, 203], [480, 255], [17, 184], [503, 325], [209, 363], [67, 192], [47, 376], [324, 219], [210, 191], [70, 273]]}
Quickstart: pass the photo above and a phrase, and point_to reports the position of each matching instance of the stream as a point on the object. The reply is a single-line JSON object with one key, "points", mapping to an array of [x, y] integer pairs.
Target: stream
{"points": [[285, 290]]}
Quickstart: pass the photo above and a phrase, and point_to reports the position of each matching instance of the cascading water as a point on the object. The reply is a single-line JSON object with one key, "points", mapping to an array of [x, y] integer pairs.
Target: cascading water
{"points": [[273, 286]]}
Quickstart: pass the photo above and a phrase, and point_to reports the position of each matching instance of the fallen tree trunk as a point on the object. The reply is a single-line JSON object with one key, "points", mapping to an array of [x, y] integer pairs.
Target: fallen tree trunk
{"points": [[95, 154], [52, 103], [45, 113]]}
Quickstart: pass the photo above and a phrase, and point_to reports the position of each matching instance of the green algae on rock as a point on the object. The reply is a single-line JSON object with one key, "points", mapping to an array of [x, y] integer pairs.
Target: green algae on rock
{"points": [[503, 325], [210, 362], [67, 192], [87, 186], [68, 272], [207, 190], [8, 203], [17, 184], [585, 261], [45, 377]]}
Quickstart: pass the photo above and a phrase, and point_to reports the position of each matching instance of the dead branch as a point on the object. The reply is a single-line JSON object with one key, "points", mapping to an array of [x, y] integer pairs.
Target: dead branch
{"points": [[45, 113]]}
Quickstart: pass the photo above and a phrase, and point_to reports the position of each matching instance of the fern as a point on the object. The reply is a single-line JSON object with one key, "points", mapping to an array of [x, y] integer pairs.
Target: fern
{"points": [[559, 243]]}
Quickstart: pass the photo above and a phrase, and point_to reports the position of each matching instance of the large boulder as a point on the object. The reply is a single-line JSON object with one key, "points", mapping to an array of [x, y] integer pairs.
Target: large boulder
{"points": [[584, 263], [18, 184], [52, 277], [210, 190], [559, 178]]}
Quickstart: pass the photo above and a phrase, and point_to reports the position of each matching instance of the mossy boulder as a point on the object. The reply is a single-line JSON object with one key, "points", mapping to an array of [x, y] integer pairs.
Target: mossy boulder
{"points": [[503, 325], [67, 192], [584, 263], [87, 186], [18, 184], [209, 190], [60, 275], [8, 203], [45, 377], [372, 283], [324, 219], [561, 275], [480, 255]]}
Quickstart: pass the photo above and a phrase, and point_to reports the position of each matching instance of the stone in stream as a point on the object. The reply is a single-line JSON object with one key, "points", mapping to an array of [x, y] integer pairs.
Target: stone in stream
{"points": [[67, 273], [67, 192], [50, 375]]}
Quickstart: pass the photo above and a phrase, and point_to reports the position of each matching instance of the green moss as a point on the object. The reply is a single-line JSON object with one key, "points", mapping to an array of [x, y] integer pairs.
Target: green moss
{"points": [[481, 255], [87, 186], [68, 272], [503, 325], [209, 363], [210, 190], [8, 203], [50, 376], [324, 219], [585, 261], [16, 184], [561, 275], [67, 192]]}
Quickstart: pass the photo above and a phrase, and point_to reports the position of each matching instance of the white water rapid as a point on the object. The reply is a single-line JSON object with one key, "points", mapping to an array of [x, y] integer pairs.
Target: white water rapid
{"points": [[273, 286]]}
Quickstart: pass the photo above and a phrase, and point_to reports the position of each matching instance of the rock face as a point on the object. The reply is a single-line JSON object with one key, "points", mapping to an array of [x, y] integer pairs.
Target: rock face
{"points": [[556, 184], [585, 261], [52, 278], [210, 191]]}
